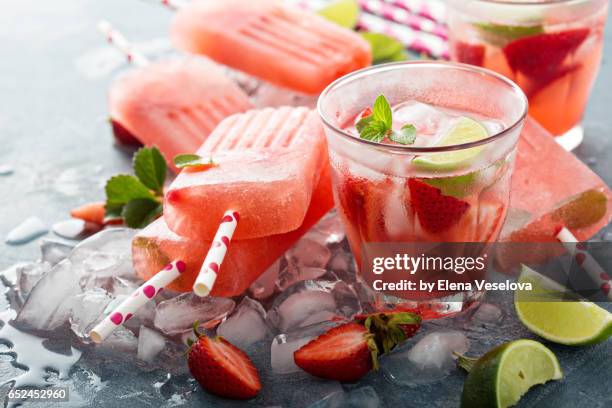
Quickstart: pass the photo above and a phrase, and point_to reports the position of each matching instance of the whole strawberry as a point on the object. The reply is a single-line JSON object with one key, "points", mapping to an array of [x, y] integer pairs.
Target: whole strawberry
{"points": [[222, 368], [349, 351]]}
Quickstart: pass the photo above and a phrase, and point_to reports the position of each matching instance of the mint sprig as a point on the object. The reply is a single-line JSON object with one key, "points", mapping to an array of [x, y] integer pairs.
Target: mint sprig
{"points": [[192, 160], [138, 200], [378, 125]]}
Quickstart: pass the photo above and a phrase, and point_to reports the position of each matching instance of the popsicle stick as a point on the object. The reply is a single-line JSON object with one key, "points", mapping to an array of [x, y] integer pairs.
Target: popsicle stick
{"points": [[115, 37], [392, 12], [212, 263], [586, 261], [418, 41], [139, 298]]}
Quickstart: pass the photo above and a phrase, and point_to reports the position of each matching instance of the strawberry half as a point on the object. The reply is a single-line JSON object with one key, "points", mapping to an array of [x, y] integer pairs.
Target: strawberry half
{"points": [[344, 353], [436, 212], [540, 57], [350, 351], [469, 53], [222, 368]]}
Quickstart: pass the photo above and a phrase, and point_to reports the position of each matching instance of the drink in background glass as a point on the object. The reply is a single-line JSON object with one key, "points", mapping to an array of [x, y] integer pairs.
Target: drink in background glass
{"points": [[440, 188], [551, 49]]}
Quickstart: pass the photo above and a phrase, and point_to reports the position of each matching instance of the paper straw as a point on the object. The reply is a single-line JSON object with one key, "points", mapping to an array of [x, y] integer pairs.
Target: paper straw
{"points": [[586, 261], [210, 268], [418, 41], [139, 298], [122, 44], [432, 9], [399, 15]]}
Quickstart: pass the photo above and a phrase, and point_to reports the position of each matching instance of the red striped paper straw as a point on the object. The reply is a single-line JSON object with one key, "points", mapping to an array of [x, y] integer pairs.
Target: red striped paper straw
{"points": [[400, 15], [418, 41], [212, 263], [138, 299], [586, 261], [432, 9], [117, 39]]}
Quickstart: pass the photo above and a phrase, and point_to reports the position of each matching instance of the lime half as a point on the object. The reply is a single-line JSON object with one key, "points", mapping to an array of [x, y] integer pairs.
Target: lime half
{"points": [[505, 373], [465, 130], [342, 12], [571, 322]]}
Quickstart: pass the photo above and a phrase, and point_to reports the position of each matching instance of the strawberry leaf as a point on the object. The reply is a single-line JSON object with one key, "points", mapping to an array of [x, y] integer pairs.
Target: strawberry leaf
{"points": [[150, 168], [141, 212]]}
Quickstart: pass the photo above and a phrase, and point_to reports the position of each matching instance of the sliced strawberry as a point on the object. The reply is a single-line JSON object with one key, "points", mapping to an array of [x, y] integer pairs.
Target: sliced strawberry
{"points": [[470, 53], [344, 353], [93, 213], [124, 136], [223, 369], [540, 57], [436, 212]]}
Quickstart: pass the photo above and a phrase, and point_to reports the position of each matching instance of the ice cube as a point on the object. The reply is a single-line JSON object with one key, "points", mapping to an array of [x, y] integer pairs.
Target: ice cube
{"points": [[107, 253], [178, 314], [329, 228], [121, 344], [247, 324], [70, 229], [342, 264], [284, 345], [292, 274], [426, 118], [29, 229], [265, 285], [28, 276], [364, 397], [113, 285], [150, 343], [6, 170], [300, 303], [307, 252], [54, 251], [428, 361], [87, 310], [48, 305], [487, 313]]}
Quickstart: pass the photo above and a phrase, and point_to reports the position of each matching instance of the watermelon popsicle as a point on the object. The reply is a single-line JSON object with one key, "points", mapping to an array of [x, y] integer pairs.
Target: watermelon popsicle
{"points": [[246, 259], [173, 104], [271, 40], [266, 164]]}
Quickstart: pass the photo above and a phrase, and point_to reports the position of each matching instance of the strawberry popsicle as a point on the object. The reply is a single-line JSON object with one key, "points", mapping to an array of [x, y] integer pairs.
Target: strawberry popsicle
{"points": [[154, 246], [266, 165], [273, 41], [552, 188], [173, 104]]}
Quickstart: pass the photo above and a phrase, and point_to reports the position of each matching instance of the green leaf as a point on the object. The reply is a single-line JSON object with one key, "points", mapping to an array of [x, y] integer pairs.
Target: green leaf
{"points": [[364, 122], [500, 34], [150, 168], [384, 48], [122, 189], [381, 111], [406, 136], [375, 131], [141, 212], [191, 160]]}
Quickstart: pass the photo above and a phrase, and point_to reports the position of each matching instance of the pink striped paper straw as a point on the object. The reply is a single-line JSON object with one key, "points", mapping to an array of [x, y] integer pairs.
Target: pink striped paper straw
{"points": [[210, 268], [392, 12], [432, 9], [117, 39], [138, 299], [586, 261], [418, 41]]}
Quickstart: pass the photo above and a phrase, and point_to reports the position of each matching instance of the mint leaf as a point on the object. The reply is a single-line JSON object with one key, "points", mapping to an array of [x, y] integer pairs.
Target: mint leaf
{"points": [[381, 111], [190, 160], [384, 48], [140, 212], [364, 122], [375, 131], [122, 189], [406, 136], [150, 168]]}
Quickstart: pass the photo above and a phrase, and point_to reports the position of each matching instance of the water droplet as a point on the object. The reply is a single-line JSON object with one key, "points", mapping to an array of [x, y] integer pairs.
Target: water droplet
{"points": [[70, 229], [25, 232]]}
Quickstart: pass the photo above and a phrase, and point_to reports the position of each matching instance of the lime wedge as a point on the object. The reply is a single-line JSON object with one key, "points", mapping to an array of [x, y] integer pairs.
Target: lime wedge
{"points": [[570, 322], [342, 12], [465, 130], [504, 374]]}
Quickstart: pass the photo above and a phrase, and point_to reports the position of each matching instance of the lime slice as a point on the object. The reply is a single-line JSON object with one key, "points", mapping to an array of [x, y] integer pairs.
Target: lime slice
{"points": [[570, 322], [342, 12], [502, 376], [465, 130]]}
